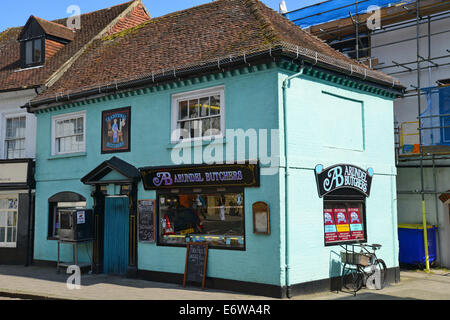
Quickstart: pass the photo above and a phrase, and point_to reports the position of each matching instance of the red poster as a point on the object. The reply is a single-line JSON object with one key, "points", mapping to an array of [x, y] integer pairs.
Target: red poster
{"points": [[330, 226], [342, 226], [356, 227]]}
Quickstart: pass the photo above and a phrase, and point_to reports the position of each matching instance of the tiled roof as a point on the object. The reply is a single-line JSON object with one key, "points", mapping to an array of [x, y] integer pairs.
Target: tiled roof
{"points": [[55, 29], [13, 77], [188, 37]]}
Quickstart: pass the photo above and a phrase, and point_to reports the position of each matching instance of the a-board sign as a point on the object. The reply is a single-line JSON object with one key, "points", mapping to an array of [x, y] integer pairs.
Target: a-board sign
{"points": [[196, 260], [146, 225]]}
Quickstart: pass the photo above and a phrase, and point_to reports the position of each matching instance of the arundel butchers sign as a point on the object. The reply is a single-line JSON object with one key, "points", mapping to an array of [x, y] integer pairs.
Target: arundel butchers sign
{"points": [[244, 175], [343, 176]]}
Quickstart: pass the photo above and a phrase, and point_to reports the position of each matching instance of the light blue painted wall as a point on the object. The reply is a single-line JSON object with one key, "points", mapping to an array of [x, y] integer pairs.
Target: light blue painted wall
{"points": [[312, 106], [251, 102]]}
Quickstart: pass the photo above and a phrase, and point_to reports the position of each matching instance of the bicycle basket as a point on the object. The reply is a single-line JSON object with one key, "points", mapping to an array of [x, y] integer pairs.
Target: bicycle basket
{"points": [[355, 258]]}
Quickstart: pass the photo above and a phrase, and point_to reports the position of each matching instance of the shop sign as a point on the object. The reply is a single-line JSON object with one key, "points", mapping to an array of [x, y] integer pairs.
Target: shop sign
{"points": [[116, 130], [343, 176], [226, 175], [13, 172]]}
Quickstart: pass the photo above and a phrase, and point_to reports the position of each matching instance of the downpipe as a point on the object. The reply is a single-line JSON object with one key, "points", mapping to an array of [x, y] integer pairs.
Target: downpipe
{"points": [[286, 178]]}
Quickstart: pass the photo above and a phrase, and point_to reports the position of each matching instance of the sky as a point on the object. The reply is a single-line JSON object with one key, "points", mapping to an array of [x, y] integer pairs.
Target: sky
{"points": [[14, 13]]}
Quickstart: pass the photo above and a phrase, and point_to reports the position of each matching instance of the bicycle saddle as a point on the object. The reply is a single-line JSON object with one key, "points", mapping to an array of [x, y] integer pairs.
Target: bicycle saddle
{"points": [[376, 246]]}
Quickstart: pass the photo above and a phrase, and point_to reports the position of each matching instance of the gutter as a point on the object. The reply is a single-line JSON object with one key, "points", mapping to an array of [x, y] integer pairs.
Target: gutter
{"points": [[219, 64], [286, 178]]}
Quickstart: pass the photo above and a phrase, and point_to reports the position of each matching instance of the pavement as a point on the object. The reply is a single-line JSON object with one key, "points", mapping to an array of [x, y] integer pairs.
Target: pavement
{"points": [[18, 282]]}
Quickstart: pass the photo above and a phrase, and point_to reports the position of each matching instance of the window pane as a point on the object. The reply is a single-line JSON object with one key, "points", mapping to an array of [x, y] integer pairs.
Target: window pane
{"points": [[215, 105], [2, 234], [193, 109], [183, 110], [9, 234], [217, 218], [196, 129], [206, 127], [29, 52], [3, 218], [204, 107], [215, 126], [37, 51]]}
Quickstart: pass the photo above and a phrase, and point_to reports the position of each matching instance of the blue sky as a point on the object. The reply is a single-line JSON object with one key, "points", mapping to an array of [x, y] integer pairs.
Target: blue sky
{"points": [[14, 13]]}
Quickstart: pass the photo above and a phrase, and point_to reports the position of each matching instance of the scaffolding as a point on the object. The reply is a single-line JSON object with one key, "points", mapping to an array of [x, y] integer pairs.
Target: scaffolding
{"points": [[340, 24]]}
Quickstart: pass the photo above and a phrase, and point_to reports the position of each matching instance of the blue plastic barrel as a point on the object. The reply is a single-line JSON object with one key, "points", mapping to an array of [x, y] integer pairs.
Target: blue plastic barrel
{"points": [[412, 251]]}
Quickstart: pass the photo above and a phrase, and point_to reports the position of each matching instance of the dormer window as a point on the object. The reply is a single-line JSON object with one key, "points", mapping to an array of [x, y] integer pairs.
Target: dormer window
{"points": [[41, 39], [34, 52]]}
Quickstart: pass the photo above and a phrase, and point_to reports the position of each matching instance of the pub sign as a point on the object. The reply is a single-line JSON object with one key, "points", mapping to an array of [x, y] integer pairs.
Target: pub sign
{"points": [[116, 130]]}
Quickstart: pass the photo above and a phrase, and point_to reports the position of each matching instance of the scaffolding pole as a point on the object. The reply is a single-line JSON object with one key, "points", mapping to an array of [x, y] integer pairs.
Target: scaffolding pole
{"points": [[424, 212]]}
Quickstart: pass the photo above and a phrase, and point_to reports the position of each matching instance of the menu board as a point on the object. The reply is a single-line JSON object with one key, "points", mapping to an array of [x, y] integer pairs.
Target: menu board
{"points": [[196, 260], [146, 225], [330, 226], [356, 227], [342, 226]]}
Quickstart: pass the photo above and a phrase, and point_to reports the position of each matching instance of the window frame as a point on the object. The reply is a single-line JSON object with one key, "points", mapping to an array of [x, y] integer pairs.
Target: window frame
{"points": [[346, 199], [199, 191], [33, 47], [198, 94], [4, 244], [68, 116], [5, 139]]}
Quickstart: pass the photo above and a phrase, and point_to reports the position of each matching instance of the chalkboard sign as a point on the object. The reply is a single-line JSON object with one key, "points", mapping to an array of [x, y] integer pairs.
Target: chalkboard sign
{"points": [[196, 260], [146, 225]]}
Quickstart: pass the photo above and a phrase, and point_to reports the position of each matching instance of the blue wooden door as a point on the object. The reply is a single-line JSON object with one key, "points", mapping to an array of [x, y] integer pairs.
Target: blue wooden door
{"points": [[116, 236]]}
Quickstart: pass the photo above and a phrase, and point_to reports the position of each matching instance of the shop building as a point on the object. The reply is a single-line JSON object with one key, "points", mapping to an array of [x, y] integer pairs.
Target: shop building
{"points": [[32, 58], [223, 130]]}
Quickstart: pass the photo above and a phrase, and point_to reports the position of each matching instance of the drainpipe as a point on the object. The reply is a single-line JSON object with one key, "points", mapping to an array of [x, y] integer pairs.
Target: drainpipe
{"points": [[286, 185]]}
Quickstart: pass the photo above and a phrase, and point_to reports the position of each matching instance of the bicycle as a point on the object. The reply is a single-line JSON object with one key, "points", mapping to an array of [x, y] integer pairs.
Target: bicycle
{"points": [[362, 268]]}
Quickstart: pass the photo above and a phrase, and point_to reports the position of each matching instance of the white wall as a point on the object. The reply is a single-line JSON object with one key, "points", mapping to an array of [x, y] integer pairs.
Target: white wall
{"points": [[10, 103]]}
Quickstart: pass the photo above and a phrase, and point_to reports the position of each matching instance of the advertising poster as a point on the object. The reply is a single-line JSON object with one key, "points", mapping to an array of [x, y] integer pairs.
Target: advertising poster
{"points": [[330, 226], [342, 226], [356, 227]]}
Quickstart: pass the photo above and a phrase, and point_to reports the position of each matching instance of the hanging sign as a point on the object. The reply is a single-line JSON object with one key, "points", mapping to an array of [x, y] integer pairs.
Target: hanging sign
{"points": [[116, 130], [223, 175], [343, 176], [330, 226], [342, 226]]}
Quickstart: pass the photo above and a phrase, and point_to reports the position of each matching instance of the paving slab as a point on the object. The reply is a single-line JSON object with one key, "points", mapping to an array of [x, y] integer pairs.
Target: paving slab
{"points": [[46, 283]]}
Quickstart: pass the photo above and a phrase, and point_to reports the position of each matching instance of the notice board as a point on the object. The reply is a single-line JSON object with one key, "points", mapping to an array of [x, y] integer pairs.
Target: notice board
{"points": [[146, 221], [196, 261]]}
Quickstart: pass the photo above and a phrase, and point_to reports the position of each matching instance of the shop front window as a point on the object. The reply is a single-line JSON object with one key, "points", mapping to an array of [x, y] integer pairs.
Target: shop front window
{"points": [[213, 217], [8, 220], [344, 221]]}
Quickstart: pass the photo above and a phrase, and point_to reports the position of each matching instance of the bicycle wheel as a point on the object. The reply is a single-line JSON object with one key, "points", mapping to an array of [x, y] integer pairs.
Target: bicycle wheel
{"points": [[352, 280], [381, 265]]}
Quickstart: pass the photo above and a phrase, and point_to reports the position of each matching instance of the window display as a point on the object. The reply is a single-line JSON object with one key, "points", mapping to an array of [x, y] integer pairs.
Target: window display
{"points": [[216, 217], [343, 222]]}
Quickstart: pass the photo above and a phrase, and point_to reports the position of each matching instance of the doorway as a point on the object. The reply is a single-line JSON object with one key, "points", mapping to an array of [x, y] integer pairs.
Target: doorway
{"points": [[116, 235]]}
